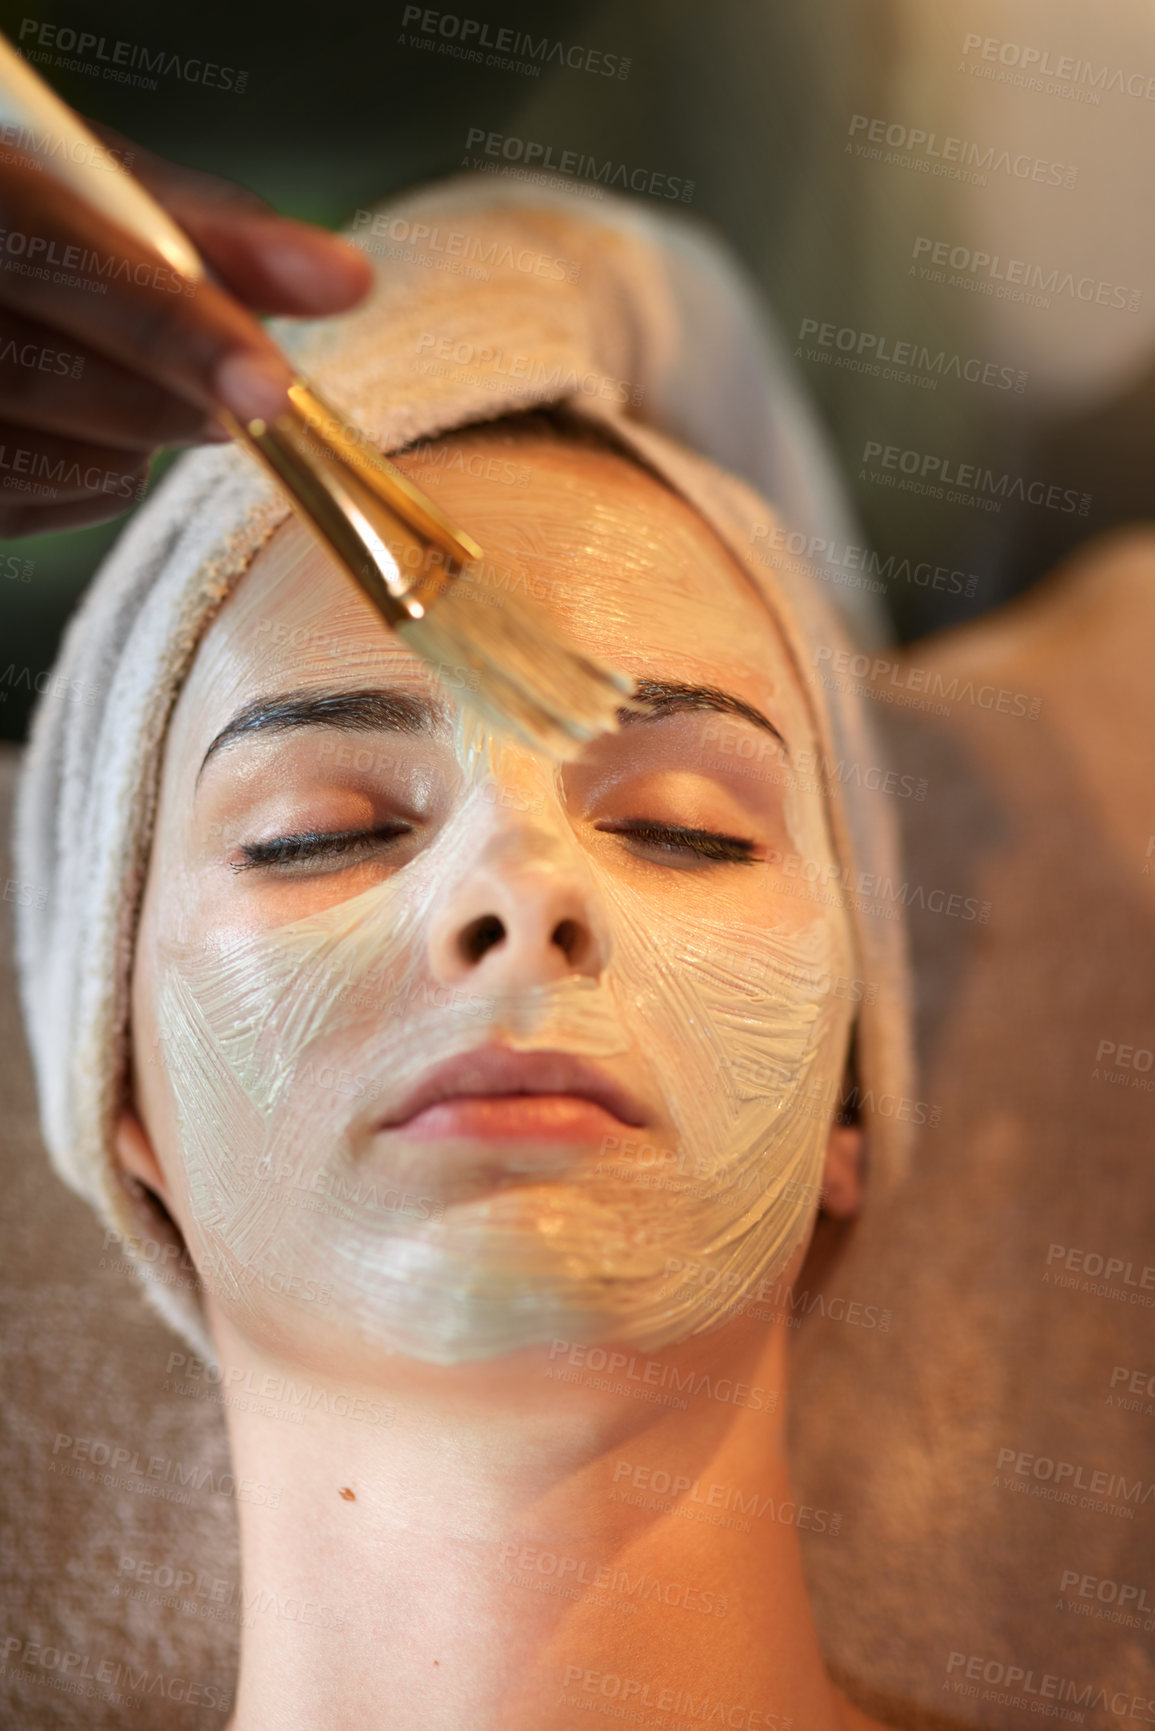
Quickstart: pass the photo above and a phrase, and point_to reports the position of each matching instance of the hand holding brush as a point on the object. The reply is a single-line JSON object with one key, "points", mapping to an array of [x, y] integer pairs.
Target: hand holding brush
{"points": [[387, 536]]}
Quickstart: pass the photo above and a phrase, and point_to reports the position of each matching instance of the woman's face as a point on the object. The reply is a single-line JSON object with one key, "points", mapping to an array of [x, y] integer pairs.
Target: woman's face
{"points": [[442, 1048]]}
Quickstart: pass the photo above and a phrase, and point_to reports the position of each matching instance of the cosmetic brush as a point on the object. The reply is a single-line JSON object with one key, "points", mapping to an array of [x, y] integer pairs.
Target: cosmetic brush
{"points": [[421, 572]]}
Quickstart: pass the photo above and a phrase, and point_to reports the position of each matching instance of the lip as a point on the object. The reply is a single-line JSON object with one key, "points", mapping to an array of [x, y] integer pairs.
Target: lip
{"points": [[497, 1074]]}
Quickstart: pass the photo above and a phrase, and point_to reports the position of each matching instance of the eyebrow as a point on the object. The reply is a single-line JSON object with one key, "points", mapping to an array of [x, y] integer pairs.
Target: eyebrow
{"points": [[379, 709], [376, 709], [664, 697]]}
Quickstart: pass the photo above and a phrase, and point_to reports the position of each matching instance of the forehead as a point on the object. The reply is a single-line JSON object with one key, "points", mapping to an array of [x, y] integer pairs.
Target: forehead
{"points": [[624, 565]]}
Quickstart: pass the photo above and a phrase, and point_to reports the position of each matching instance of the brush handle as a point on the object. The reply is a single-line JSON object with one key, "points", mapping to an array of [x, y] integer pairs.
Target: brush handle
{"points": [[345, 488], [86, 166]]}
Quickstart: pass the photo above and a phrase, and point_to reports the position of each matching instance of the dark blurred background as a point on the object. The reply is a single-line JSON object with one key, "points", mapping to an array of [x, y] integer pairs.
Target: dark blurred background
{"points": [[765, 105]]}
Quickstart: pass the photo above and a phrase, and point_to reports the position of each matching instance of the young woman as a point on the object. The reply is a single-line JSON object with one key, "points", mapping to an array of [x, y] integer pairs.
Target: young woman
{"points": [[488, 1097]]}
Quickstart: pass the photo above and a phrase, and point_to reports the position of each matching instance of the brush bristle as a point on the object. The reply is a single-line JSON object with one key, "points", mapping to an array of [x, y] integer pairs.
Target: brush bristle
{"points": [[531, 681]]}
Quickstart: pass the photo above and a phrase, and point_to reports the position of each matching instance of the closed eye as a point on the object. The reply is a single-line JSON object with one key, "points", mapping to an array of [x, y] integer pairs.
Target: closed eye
{"points": [[676, 840], [312, 848], [315, 846]]}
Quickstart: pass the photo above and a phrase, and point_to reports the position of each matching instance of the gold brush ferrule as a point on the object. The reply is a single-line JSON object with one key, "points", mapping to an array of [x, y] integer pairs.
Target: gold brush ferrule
{"points": [[393, 541], [408, 501]]}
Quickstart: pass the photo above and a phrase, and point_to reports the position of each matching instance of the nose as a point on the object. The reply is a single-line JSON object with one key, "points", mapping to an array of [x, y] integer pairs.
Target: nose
{"points": [[525, 915]]}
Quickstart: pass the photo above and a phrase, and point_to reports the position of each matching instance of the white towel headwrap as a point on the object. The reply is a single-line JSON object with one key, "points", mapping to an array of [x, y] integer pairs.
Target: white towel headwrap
{"points": [[636, 320]]}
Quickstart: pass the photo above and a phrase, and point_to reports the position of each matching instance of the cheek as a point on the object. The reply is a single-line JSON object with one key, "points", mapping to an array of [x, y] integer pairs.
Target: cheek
{"points": [[735, 1013], [260, 1036], [151, 1083]]}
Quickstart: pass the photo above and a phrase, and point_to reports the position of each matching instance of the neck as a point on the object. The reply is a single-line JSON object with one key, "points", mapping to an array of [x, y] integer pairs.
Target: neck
{"points": [[516, 1544]]}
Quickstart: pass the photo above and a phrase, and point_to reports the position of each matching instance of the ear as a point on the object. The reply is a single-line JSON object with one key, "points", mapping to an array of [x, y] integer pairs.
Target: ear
{"points": [[842, 1174], [136, 1153]]}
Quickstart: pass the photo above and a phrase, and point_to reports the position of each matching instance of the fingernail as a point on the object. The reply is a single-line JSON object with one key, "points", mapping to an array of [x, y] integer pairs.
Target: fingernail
{"points": [[254, 387]]}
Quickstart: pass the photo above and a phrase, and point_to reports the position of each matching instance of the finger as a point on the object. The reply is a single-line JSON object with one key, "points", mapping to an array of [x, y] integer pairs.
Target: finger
{"points": [[17, 522], [272, 263], [75, 391], [64, 264], [164, 178], [43, 469], [275, 265]]}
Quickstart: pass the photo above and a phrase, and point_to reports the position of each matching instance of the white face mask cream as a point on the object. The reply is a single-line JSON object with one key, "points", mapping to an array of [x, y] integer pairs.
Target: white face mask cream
{"points": [[291, 1191], [288, 1042]]}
